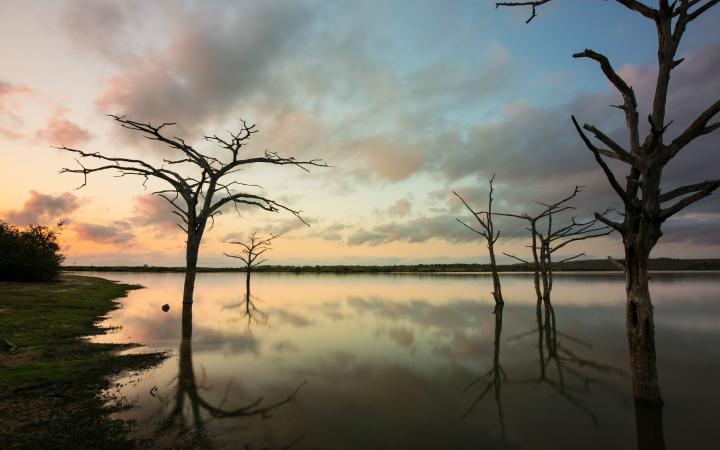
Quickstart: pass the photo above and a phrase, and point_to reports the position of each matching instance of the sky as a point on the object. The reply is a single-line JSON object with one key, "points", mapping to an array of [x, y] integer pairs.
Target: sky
{"points": [[405, 100]]}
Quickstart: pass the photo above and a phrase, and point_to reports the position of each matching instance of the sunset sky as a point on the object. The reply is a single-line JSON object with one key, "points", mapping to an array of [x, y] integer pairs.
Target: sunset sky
{"points": [[406, 100]]}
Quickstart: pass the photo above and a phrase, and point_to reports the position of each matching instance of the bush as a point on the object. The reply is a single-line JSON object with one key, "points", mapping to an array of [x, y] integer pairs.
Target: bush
{"points": [[30, 254]]}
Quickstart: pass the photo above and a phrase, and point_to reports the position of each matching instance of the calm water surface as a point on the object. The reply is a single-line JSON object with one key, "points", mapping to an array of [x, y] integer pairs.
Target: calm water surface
{"points": [[411, 361]]}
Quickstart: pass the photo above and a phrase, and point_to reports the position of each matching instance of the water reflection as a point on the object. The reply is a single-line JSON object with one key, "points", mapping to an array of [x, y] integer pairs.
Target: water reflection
{"points": [[248, 310], [388, 357], [569, 375], [182, 417], [572, 375], [495, 377]]}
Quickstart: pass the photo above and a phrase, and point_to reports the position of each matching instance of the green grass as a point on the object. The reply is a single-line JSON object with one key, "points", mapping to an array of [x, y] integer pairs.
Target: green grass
{"points": [[50, 386]]}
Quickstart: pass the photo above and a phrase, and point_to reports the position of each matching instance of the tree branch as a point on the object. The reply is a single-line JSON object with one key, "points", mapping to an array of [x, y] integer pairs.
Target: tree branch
{"points": [[700, 193], [532, 4], [608, 173], [696, 129], [629, 101]]}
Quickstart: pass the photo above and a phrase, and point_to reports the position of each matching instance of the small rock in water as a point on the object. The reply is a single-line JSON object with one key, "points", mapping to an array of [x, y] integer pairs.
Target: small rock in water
{"points": [[166, 307]]}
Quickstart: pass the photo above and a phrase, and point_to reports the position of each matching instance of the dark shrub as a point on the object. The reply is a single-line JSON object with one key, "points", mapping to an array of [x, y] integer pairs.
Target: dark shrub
{"points": [[29, 254]]}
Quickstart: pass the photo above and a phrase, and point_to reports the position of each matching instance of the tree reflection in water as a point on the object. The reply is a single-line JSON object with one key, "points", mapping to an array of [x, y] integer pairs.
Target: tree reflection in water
{"points": [[183, 416], [561, 368], [573, 375], [494, 378], [249, 310]]}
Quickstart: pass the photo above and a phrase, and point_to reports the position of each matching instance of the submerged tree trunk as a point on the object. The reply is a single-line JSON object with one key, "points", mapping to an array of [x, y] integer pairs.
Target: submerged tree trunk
{"points": [[649, 425], [247, 284], [191, 258], [497, 289], [641, 328]]}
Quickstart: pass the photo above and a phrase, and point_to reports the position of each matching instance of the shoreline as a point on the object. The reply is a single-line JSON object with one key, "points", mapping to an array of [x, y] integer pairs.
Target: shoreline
{"points": [[54, 382], [592, 265]]}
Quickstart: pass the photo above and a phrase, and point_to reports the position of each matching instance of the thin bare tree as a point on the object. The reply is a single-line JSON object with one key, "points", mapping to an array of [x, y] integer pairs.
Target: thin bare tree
{"points": [[642, 196], [197, 198], [547, 238], [252, 249], [487, 230]]}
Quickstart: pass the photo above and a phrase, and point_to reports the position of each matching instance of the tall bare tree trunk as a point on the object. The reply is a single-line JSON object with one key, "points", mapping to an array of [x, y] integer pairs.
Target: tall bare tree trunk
{"points": [[641, 327], [191, 258], [497, 289]]}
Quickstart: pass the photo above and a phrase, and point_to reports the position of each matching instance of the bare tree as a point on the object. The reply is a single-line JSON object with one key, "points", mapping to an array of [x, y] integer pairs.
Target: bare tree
{"points": [[196, 199], [642, 196], [487, 230], [545, 243], [251, 251]]}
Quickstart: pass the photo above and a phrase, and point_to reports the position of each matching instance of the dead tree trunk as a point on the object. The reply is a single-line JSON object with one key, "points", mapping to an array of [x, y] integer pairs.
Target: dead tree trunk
{"points": [[487, 230], [646, 159], [247, 284], [191, 259], [640, 325]]}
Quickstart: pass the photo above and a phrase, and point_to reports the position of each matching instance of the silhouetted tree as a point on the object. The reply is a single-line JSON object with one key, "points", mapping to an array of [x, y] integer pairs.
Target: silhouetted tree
{"points": [[29, 254], [252, 249], [547, 238], [487, 230], [642, 196], [195, 199]]}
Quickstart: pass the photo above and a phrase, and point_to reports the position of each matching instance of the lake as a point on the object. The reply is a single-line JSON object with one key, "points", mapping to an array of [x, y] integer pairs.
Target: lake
{"points": [[417, 361]]}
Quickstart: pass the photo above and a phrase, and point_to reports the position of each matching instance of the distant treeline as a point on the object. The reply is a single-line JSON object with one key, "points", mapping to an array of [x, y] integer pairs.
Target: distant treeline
{"points": [[588, 265]]}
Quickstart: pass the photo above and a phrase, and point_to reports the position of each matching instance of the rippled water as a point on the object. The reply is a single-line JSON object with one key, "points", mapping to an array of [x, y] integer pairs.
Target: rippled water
{"points": [[410, 361]]}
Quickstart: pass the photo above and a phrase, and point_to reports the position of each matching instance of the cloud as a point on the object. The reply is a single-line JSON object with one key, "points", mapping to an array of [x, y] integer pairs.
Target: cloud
{"points": [[413, 231], [538, 156], [332, 232], [60, 131], [402, 336], [154, 211], [9, 121], [289, 318], [454, 315], [439, 117], [400, 208], [694, 228], [101, 25], [347, 104], [118, 233], [44, 209], [211, 61]]}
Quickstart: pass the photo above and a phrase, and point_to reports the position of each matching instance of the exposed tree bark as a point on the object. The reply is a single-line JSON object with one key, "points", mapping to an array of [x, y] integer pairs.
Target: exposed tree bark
{"points": [[642, 196], [487, 230], [195, 199]]}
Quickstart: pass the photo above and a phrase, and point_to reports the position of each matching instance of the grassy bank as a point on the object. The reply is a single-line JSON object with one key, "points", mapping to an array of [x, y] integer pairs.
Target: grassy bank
{"points": [[50, 378]]}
